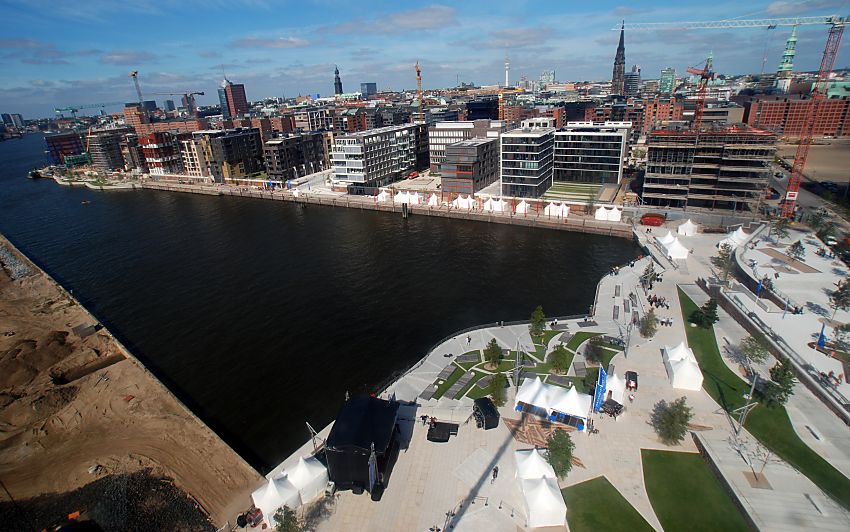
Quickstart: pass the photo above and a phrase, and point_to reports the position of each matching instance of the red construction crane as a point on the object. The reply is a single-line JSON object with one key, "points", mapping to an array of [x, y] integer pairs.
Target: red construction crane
{"points": [[836, 30], [706, 74]]}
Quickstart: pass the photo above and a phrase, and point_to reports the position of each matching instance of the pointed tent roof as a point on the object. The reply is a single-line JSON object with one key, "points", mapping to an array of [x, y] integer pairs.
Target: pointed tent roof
{"points": [[615, 215], [739, 235], [531, 463], [433, 200], [276, 493], [544, 502], [382, 196], [677, 353], [667, 239], [686, 375], [521, 207], [617, 387], [305, 471], [675, 250], [573, 403], [688, 228], [414, 198], [530, 391], [601, 213]]}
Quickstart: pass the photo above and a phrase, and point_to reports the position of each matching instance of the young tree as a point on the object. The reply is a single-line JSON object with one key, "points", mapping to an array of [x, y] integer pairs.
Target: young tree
{"points": [[670, 420], [796, 250], [560, 453], [827, 230], [817, 219], [753, 350], [496, 389], [780, 228], [782, 373], [560, 359], [493, 353], [772, 394], [537, 325], [723, 260], [649, 324], [839, 299], [286, 521], [593, 351], [709, 313], [649, 274]]}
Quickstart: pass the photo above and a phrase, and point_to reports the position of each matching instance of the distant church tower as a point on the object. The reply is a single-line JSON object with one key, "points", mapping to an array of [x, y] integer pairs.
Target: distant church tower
{"points": [[619, 78], [337, 82], [786, 67]]}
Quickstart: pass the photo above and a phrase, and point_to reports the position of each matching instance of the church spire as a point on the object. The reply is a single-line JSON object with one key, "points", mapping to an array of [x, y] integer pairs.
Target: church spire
{"points": [[619, 76]]}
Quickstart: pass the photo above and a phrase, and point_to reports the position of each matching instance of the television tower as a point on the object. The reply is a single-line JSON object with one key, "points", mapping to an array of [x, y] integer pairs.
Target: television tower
{"points": [[507, 71]]}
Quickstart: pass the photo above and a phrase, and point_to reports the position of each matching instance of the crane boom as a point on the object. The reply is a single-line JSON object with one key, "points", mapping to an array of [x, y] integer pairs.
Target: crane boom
{"points": [[135, 75], [830, 52], [723, 24]]}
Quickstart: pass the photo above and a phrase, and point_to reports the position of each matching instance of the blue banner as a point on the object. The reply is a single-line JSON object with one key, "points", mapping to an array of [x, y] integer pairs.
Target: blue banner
{"points": [[599, 394]]}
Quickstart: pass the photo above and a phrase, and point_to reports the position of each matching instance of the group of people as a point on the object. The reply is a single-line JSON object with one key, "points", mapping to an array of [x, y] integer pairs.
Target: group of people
{"points": [[658, 302], [823, 253], [615, 270], [831, 379], [666, 322]]}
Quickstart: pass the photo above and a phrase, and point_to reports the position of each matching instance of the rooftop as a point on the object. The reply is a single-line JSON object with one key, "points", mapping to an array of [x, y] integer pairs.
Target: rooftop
{"points": [[529, 132]]}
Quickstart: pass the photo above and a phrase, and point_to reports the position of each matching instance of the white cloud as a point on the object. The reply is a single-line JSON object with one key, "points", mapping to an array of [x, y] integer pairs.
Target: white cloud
{"points": [[273, 42]]}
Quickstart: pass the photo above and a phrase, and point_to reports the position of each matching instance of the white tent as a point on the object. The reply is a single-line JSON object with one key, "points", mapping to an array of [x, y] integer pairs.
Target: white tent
{"points": [[488, 205], [532, 464], [521, 207], [735, 238], [463, 202], [531, 392], [666, 240], [278, 492], [680, 352], [555, 209], [401, 197], [616, 387], [615, 215], [601, 214], [500, 205], [309, 476], [688, 228], [676, 251], [433, 200], [544, 503], [571, 402], [414, 198], [382, 196], [685, 374]]}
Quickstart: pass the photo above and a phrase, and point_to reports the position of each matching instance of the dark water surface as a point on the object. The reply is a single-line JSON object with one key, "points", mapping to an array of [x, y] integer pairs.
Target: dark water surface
{"points": [[259, 314]]}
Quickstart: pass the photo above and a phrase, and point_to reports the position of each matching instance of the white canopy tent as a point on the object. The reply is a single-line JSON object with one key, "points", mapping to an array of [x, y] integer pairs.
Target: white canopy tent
{"points": [[433, 200], [309, 476], [494, 205], [556, 210], [685, 374], [401, 197], [414, 198], [553, 401], [601, 214], [278, 492], [521, 207], [735, 238], [296, 192], [463, 202], [570, 402], [666, 240], [531, 463], [531, 392], [688, 228], [615, 387], [382, 196], [615, 215], [544, 503], [680, 352], [676, 251]]}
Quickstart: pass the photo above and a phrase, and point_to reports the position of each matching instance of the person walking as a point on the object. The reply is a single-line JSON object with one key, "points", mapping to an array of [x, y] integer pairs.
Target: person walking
{"points": [[468, 340], [495, 474]]}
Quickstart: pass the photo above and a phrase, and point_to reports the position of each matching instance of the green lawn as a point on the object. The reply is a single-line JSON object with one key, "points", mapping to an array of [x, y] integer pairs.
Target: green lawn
{"points": [[686, 495], [595, 505], [441, 389], [475, 377], [770, 425], [579, 338]]}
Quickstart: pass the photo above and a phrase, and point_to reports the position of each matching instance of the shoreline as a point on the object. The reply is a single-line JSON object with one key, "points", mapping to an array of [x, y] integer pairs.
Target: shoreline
{"points": [[93, 429]]}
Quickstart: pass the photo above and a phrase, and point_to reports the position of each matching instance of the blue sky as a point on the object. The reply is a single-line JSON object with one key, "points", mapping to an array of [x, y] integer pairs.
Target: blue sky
{"points": [[58, 53]]}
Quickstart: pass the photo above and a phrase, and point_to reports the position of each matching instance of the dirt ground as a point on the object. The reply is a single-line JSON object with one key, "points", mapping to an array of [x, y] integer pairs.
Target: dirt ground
{"points": [[826, 162], [75, 408]]}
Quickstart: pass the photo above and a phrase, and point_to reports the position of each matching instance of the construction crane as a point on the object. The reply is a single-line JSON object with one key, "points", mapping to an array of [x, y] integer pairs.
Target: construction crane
{"points": [[421, 113], [836, 30], [74, 108], [188, 95], [135, 75], [705, 74]]}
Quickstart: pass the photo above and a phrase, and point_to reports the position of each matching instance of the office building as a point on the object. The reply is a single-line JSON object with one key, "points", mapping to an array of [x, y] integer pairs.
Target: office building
{"points": [[169, 105], [717, 168], [222, 99], [60, 145], [484, 108], [547, 77], [149, 105], [7, 119], [237, 101], [470, 165], [527, 161], [231, 154], [374, 158], [618, 78], [590, 152], [140, 120], [786, 115], [442, 134], [313, 119], [105, 149], [17, 120], [667, 83], [337, 82], [631, 82], [295, 155], [368, 89], [161, 150]]}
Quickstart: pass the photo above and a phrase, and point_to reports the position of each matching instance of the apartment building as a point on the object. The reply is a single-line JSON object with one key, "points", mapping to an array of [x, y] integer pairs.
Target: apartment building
{"points": [[295, 155], [374, 158], [60, 145], [719, 168], [591, 152], [470, 165], [787, 115], [442, 134], [314, 119], [527, 161], [105, 149], [162, 153]]}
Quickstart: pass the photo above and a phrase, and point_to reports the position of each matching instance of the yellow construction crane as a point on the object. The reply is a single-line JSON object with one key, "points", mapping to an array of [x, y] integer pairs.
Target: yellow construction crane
{"points": [[421, 113]]}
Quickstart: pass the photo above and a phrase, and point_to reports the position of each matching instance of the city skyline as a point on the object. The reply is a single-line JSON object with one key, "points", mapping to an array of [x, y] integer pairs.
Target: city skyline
{"points": [[73, 56]]}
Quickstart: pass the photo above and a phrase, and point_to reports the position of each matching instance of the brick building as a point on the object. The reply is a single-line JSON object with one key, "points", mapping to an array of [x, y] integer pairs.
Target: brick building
{"points": [[786, 115], [295, 155]]}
